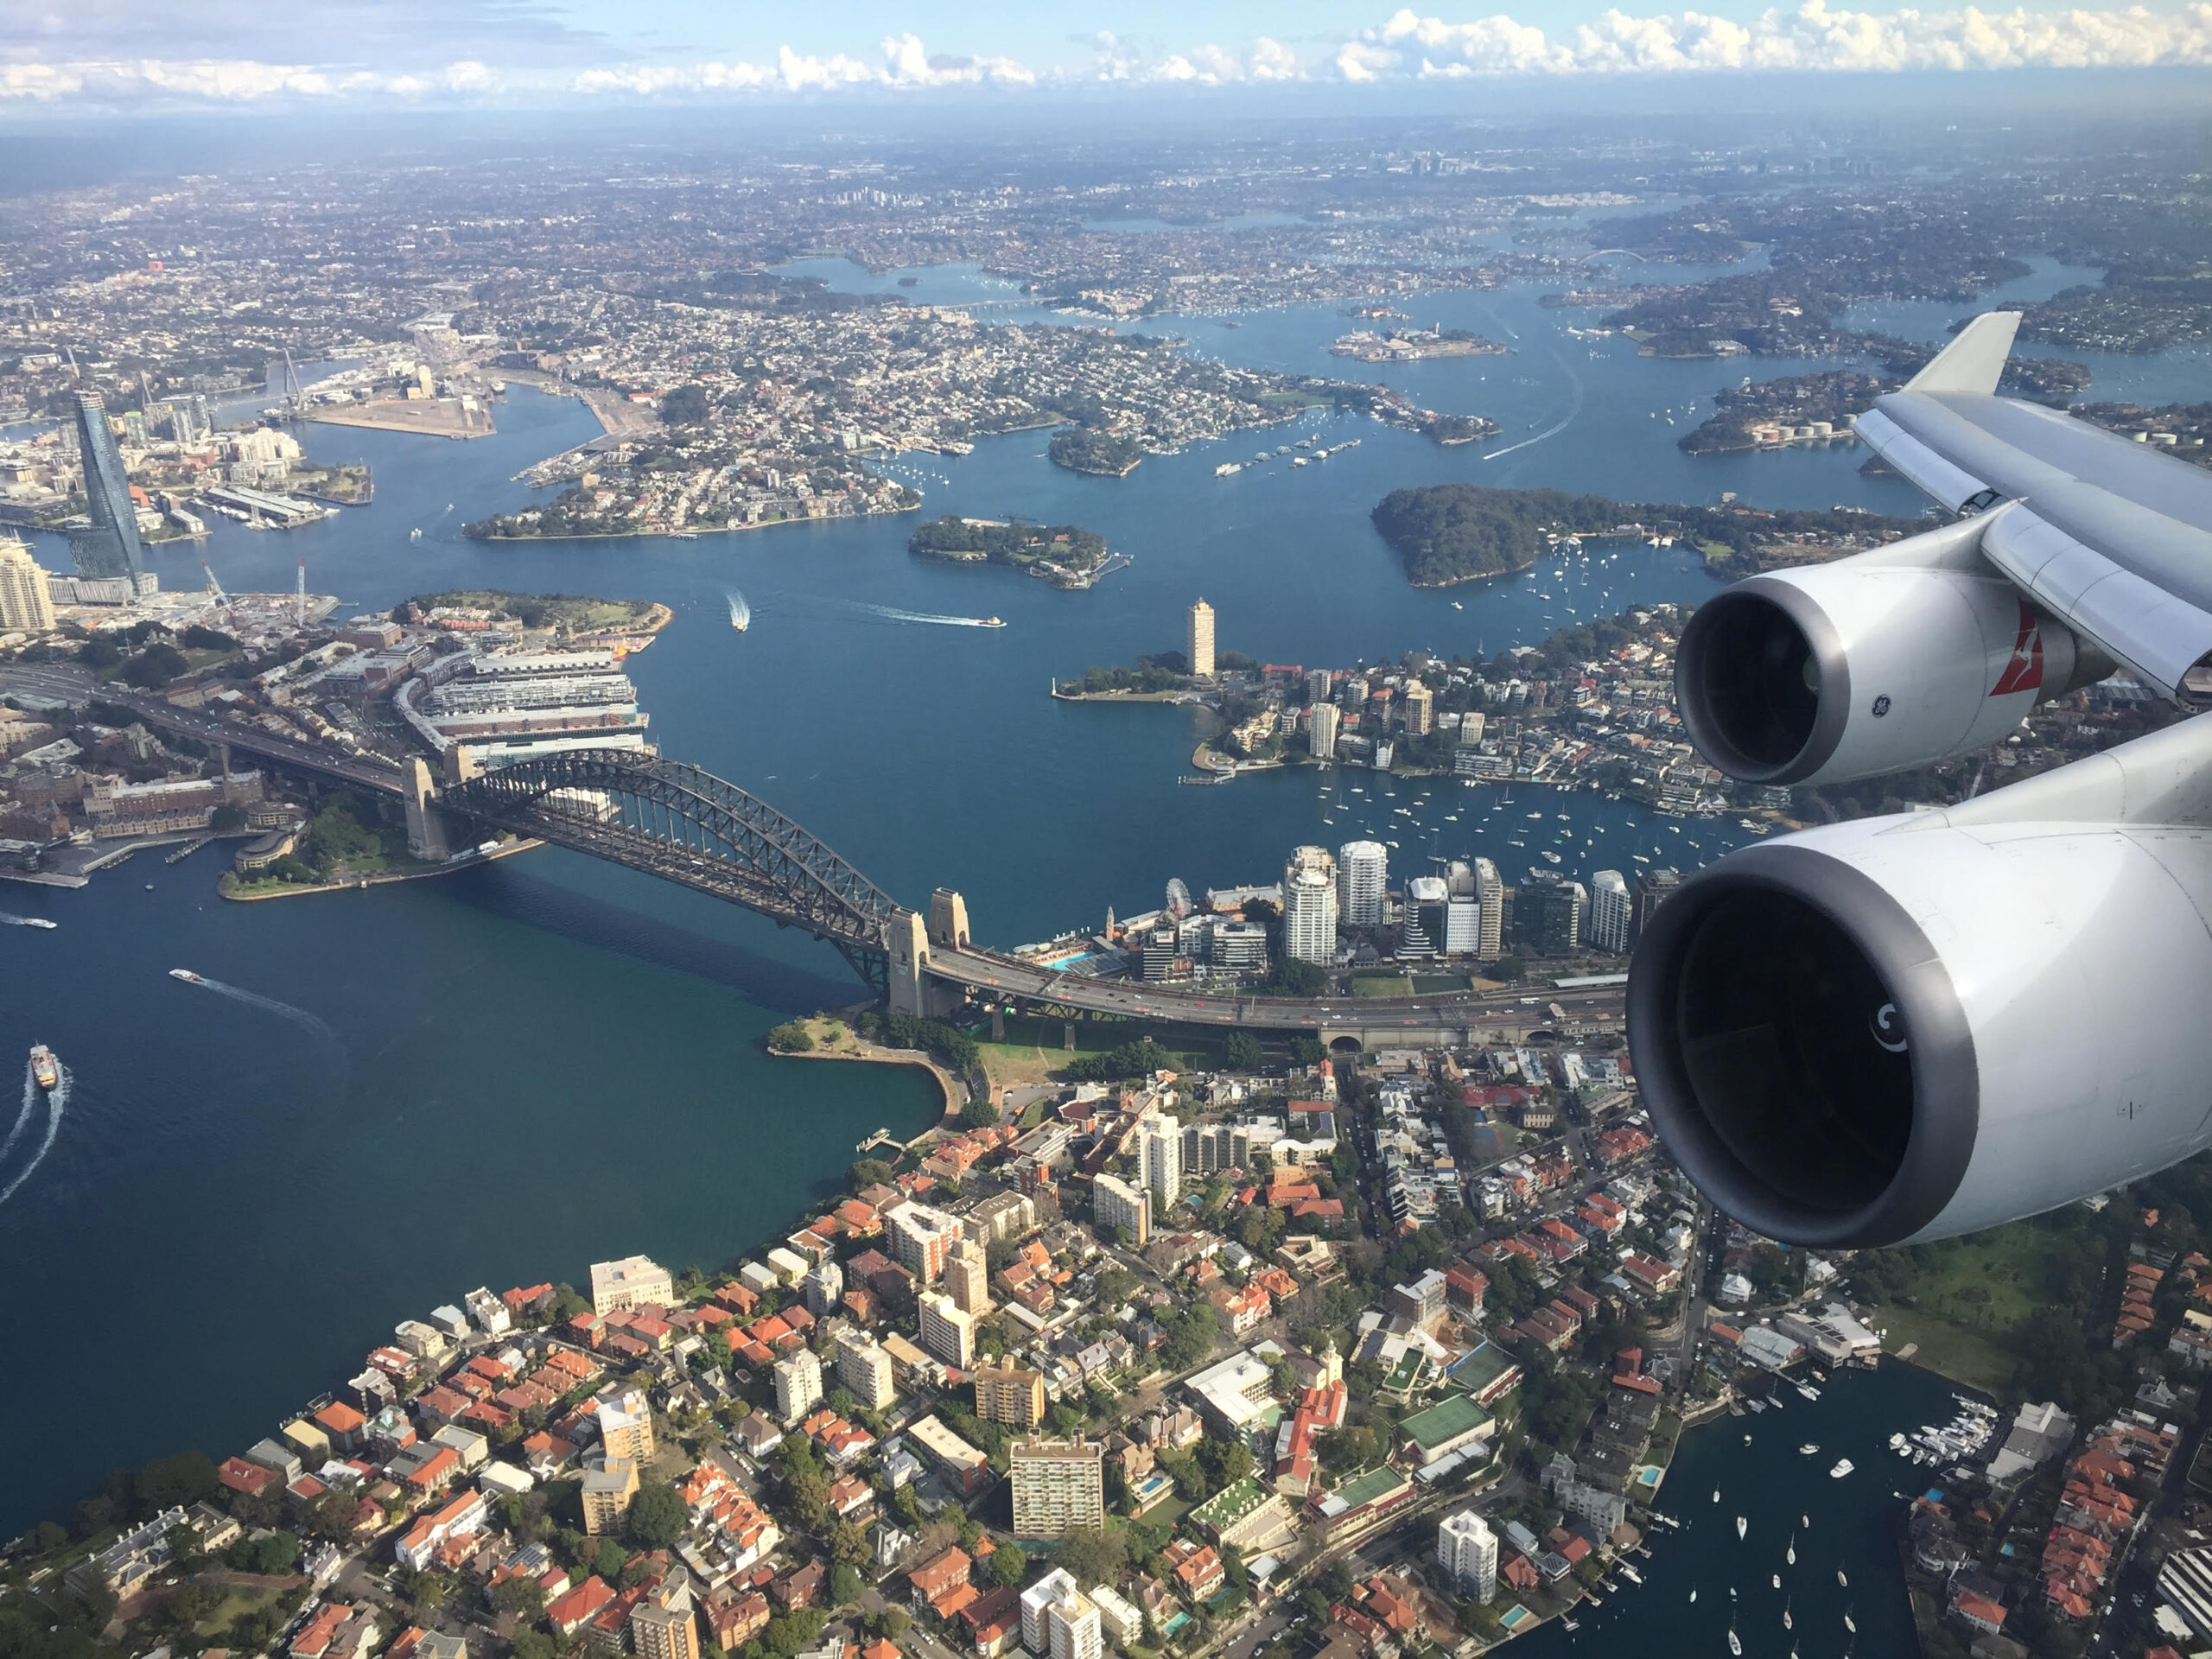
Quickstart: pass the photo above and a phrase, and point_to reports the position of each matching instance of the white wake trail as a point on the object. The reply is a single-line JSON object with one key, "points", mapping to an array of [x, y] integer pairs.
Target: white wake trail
{"points": [[312, 1024], [57, 1099], [891, 614], [31, 1092]]}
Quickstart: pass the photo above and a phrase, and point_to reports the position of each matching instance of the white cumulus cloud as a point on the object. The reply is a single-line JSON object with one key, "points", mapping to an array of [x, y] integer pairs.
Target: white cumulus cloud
{"points": [[230, 80], [1811, 36]]}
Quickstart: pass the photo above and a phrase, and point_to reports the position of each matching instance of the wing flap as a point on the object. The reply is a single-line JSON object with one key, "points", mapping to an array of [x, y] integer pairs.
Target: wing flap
{"points": [[1931, 474]]}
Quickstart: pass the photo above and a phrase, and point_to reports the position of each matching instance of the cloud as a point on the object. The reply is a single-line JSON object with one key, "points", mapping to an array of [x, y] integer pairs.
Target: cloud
{"points": [[474, 50], [1811, 37], [228, 80]]}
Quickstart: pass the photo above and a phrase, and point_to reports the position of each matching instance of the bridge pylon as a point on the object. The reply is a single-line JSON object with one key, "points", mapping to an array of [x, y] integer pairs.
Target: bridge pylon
{"points": [[426, 825], [913, 988]]}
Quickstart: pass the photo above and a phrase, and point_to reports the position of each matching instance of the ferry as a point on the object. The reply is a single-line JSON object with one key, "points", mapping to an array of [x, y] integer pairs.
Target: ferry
{"points": [[185, 975], [45, 1070], [1843, 1467], [993, 622]]}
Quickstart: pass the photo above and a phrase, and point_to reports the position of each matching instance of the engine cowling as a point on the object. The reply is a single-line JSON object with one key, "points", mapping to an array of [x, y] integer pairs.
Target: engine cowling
{"points": [[1868, 665], [1904, 1028]]}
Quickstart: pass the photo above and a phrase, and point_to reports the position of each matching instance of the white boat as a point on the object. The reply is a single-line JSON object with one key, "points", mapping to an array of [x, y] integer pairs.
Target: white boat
{"points": [[1839, 1579], [1850, 1624], [1809, 1449], [1692, 1593], [1791, 1555], [1569, 1623], [1809, 1391], [1735, 1641], [1843, 1466], [1742, 1526], [39, 921], [1777, 1581], [1788, 1623], [1716, 1494], [46, 1070], [1756, 1405], [185, 975], [1630, 1573]]}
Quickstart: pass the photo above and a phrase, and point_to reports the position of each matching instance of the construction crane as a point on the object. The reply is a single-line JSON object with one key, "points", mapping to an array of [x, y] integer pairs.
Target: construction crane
{"points": [[295, 394], [299, 598]]}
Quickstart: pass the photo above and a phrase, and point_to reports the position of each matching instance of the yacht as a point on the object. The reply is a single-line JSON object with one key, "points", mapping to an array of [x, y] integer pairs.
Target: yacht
{"points": [[1809, 1449], [1630, 1573], [38, 921], [1850, 1624], [1843, 1467], [1788, 1623], [185, 975], [1742, 1526], [46, 1070], [1839, 1578], [1756, 1405]]}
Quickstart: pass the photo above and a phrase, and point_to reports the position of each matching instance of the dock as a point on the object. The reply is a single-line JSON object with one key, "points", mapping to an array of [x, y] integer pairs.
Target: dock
{"points": [[880, 1138]]}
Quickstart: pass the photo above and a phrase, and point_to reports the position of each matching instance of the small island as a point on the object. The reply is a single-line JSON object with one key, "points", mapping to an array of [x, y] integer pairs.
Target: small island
{"points": [[574, 617], [1067, 555], [1450, 533], [1085, 450], [1412, 345]]}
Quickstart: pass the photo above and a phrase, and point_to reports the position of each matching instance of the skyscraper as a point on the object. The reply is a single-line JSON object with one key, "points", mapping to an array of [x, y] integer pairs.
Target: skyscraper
{"points": [[664, 1625], [1201, 651], [1316, 686], [1463, 921], [948, 1331], [1652, 887], [967, 1276], [1427, 919], [1114, 1202], [1610, 912], [1549, 913], [1160, 1149], [1363, 882], [1060, 1487], [1309, 906], [864, 1369], [1421, 708], [798, 1385], [1321, 734], [1467, 1551], [26, 603], [109, 545], [1490, 894]]}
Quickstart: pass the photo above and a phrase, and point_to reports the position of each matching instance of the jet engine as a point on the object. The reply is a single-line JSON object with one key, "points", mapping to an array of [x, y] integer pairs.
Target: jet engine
{"points": [[1906, 1027], [1892, 659]]}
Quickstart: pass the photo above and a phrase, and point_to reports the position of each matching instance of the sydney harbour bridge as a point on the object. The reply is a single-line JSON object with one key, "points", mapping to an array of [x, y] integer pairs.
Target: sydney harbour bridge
{"points": [[676, 821]]}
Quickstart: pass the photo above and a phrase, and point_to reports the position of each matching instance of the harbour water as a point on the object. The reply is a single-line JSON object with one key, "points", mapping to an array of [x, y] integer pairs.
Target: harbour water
{"points": [[549, 1060], [1754, 1463]]}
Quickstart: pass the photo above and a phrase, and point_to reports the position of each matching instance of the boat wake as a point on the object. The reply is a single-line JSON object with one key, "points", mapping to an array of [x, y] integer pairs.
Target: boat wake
{"points": [[740, 614], [57, 1102], [891, 614], [1573, 410], [313, 1024]]}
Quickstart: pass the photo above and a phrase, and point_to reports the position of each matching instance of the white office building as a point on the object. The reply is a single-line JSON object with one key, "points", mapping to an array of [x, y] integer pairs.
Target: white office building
{"points": [[1322, 722], [1467, 1551], [1363, 882], [1610, 908], [1309, 906], [1059, 1621], [1160, 1148]]}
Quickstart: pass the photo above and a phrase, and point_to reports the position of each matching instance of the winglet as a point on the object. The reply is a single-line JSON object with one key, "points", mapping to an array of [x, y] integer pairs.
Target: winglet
{"points": [[1975, 360]]}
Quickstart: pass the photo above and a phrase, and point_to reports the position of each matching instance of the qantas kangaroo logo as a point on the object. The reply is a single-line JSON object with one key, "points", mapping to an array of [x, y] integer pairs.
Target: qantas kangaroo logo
{"points": [[2024, 671]]}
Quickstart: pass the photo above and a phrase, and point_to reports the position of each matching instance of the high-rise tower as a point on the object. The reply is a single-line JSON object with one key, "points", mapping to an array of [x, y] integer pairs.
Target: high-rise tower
{"points": [[109, 546], [1201, 651]]}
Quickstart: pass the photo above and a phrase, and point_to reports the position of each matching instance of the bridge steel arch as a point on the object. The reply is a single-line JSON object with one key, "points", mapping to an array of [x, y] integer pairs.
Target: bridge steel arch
{"points": [[672, 819]]}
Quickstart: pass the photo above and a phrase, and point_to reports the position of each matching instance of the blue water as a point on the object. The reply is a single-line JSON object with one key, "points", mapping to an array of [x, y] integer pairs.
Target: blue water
{"points": [[550, 1060]]}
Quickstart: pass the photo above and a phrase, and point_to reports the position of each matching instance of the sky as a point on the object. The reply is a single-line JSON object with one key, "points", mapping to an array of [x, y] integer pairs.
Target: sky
{"points": [[109, 55]]}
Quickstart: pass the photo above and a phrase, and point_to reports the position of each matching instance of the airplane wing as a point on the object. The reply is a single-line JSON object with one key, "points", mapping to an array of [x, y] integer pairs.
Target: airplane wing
{"points": [[1918, 1024], [2113, 538]]}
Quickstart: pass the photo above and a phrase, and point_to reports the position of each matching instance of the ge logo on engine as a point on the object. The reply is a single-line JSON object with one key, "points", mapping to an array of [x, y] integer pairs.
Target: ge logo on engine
{"points": [[1881, 706]]}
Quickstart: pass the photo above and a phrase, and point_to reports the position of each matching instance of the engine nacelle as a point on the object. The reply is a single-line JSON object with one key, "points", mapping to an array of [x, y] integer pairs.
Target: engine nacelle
{"points": [[1903, 1028], [1872, 664]]}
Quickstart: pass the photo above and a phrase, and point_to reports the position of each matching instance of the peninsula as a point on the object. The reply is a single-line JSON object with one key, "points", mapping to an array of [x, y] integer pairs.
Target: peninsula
{"points": [[1082, 449], [1450, 533]]}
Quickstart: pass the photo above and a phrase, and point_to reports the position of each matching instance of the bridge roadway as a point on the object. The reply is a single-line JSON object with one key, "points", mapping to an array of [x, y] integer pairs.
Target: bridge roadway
{"points": [[1527, 1006], [862, 939]]}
